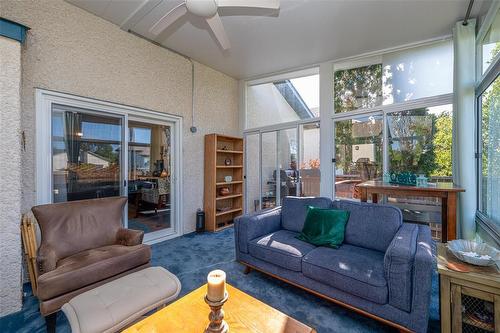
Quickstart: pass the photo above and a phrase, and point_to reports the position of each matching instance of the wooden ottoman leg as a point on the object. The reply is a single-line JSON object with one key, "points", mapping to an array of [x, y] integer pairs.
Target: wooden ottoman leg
{"points": [[50, 322], [247, 270]]}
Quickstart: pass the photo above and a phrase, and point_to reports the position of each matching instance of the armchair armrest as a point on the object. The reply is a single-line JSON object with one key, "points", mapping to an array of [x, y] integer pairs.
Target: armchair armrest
{"points": [[46, 259], [129, 237], [398, 266], [251, 226]]}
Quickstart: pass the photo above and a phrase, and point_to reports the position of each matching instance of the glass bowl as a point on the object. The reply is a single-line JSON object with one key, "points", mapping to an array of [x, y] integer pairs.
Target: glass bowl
{"points": [[479, 254]]}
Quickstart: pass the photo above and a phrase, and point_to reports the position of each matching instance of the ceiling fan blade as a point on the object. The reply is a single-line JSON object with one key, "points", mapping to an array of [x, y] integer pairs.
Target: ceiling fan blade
{"points": [[215, 24], [270, 4], [169, 18]]}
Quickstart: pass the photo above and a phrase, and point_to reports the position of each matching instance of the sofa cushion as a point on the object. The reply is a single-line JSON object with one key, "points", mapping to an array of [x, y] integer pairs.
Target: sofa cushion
{"points": [[352, 269], [324, 227], [372, 226], [90, 266], [294, 211], [280, 248]]}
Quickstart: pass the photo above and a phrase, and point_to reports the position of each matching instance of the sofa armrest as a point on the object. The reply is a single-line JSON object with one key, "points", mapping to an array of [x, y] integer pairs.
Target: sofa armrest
{"points": [[129, 237], [251, 226], [398, 266], [424, 266], [46, 259]]}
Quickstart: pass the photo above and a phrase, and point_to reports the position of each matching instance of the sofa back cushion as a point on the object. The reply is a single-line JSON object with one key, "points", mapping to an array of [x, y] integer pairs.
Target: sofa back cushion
{"points": [[294, 210], [372, 226], [71, 227]]}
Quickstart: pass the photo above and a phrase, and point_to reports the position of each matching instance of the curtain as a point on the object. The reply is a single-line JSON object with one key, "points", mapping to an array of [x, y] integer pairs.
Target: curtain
{"points": [[464, 169]]}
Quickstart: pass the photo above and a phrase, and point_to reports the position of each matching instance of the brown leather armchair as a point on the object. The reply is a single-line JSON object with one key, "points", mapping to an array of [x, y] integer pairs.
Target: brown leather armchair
{"points": [[83, 245]]}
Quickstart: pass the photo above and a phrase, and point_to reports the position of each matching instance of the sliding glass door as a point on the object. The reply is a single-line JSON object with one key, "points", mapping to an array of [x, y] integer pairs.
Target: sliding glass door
{"points": [[105, 151], [281, 162], [149, 177]]}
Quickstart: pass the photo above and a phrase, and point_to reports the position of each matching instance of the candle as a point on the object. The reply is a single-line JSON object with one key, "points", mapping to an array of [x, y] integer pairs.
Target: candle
{"points": [[216, 289]]}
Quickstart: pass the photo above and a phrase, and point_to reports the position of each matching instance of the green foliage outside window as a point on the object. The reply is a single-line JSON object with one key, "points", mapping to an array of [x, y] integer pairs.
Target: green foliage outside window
{"points": [[424, 139]]}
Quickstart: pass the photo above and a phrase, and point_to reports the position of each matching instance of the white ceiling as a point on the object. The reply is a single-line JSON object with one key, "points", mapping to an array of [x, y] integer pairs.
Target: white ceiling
{"points": [[304, 32]]}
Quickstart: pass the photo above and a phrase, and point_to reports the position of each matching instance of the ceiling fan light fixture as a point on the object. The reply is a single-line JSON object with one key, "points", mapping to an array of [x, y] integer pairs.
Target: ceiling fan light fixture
{"points": [[203, 8]]}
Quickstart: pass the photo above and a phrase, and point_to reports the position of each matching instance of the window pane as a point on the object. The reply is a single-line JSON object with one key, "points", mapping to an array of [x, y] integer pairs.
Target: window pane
{"points": [[358, 153], [490, 45], [358, 88], [268, 179], [86, 151], [420, 142], [287, 161], [309, 156], [490, 147], [252, 173], [418, 72], [149, 185], [282, 101]]}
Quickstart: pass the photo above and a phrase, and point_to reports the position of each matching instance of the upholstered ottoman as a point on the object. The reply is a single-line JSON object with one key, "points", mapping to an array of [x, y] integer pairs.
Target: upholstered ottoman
{"points": [[119, 303]]}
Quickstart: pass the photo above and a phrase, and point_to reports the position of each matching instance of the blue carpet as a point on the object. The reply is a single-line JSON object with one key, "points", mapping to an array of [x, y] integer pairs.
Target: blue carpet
{"points": [[192, 256]]}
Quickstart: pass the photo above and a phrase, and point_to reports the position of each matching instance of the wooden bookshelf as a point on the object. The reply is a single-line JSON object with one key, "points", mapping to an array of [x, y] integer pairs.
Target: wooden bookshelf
{"points": [[221, 210]]}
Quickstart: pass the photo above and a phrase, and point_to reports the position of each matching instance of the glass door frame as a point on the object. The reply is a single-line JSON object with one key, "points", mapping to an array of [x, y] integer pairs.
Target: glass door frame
{"points": [[297, 125], [159, 235], [44, 100]]}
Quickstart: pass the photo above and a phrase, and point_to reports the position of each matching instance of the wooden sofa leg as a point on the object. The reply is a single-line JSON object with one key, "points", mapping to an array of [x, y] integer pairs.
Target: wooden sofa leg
{"points": [[247, 270], [50, 322]]}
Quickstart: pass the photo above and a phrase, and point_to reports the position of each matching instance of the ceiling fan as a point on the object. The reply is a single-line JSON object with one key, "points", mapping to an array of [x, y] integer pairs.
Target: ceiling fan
{"points": [[208, 10]]}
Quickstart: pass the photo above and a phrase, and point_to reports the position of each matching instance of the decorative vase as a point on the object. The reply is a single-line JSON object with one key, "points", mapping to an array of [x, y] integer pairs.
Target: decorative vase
{"points": [[227, 161], [223, 191]]}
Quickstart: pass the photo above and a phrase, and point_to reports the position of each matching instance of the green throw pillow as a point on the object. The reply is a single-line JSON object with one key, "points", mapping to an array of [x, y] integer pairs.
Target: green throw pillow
{"points": [[324, 227]]}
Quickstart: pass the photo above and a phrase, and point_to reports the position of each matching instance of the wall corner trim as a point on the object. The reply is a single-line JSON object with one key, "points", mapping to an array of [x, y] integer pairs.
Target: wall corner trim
{"points": [[13, 30]]}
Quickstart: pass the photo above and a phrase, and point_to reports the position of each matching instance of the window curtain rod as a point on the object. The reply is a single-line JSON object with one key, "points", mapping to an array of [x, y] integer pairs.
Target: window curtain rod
{"points": [[467, 14]]}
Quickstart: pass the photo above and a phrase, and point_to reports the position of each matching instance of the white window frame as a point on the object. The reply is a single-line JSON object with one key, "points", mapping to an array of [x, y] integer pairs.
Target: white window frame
{"points": [[327, 112], [45, 99], [483, 81]]}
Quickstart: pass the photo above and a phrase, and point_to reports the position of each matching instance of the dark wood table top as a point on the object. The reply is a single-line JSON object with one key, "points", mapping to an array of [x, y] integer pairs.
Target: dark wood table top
{"points": [[438, 187]]}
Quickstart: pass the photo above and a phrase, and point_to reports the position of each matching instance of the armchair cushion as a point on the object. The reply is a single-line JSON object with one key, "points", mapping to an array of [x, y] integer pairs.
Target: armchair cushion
{"points": [[294, 211], [249, 227], [90, 266], [281, 248], [398, 266], [129, 237]]}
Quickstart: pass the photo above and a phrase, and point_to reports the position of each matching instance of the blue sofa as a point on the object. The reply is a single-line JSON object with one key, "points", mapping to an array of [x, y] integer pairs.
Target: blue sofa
{"points": [[383, 269]]}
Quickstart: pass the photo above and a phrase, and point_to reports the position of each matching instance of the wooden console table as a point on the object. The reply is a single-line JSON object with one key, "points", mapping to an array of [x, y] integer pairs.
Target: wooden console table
{"points": [[446, 191]]}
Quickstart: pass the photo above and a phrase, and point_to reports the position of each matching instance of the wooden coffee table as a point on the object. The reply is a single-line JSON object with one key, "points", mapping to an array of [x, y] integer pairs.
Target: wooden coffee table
{"points": [[243, 313]]}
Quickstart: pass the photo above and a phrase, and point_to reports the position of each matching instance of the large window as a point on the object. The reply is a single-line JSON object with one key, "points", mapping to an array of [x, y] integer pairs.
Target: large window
{"points": [[488, 127], [358, 153], [357, 88], [420, 141], [489, 175], [282, 101]]}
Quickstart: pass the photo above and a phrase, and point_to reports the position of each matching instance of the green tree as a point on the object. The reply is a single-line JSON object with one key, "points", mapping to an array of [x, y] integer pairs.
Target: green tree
{"points": [[442, 145]]}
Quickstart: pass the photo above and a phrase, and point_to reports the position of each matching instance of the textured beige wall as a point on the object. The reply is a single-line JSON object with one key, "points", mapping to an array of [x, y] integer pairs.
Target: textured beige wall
{"points": [[69, 50], [10, 175]]}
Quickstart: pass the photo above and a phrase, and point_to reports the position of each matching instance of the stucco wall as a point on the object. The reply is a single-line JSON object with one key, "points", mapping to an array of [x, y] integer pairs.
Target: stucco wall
{"points": [[10, 171], [69, 50]]}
